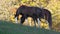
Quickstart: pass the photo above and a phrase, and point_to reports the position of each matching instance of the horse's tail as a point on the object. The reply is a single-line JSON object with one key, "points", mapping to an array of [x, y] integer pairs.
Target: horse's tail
{"points": [[49, 19]]}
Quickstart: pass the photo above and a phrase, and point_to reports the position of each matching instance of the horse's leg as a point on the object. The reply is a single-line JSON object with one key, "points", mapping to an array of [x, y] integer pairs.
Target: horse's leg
{"points": [[38, 22], [34, 18], [22, 19], [34, 21], [26, 19]]}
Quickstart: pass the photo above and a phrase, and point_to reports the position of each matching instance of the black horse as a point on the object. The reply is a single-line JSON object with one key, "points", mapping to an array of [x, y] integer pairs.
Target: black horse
{"points": [[34, 12]]}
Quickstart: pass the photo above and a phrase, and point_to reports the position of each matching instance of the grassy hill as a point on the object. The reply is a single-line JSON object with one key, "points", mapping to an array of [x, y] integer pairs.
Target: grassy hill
{"points": [[11, 28]]}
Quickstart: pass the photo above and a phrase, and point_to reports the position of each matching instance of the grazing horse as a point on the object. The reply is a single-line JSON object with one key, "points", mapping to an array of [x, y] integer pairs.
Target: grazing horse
{"points": [[34, 12]]}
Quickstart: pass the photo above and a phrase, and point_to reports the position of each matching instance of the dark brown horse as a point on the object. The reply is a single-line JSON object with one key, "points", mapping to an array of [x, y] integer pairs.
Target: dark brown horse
{"points": [[34, 12]]}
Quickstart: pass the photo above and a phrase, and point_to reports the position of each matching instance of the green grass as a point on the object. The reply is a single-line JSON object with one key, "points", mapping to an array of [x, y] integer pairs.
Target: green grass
{"points": [[11, 28]]}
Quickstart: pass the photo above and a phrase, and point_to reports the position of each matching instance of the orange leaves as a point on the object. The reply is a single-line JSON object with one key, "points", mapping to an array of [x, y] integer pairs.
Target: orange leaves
{"points": [[13, 10]]}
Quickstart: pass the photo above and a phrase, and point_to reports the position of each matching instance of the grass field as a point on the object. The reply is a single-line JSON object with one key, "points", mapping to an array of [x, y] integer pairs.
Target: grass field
{"points": [[11, 28]]}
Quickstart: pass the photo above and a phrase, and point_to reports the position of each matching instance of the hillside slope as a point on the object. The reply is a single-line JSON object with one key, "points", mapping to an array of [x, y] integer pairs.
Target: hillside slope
{"points": [[10, 28]]}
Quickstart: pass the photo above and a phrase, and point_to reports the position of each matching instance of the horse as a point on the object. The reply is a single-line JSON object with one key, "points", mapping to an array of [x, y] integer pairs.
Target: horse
{"points": [[35, 12], [26, 12]]}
